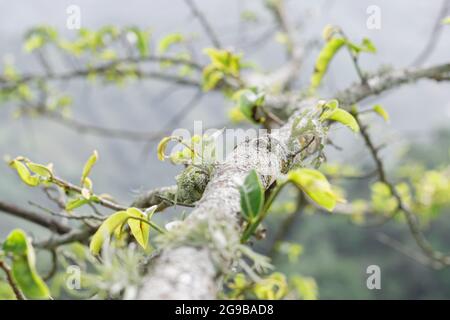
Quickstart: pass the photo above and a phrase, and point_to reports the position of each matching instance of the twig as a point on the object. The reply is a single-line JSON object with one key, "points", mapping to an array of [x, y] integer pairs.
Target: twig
{"points": [[84, 128], [411, 218], [54, 268], [19, 295], [175, 203], [398, 246], [73, 236], [71, 187], [66, 216], [44, 221], [153, 197], [434, 36], [286, 226], [104, 67], [378, 84], [204, 22]]}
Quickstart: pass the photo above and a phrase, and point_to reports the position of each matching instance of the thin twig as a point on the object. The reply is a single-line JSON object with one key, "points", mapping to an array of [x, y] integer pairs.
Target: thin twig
{"points": [[44, 221], [204, 22], [411, 218], [19, 295], [434, 36]]}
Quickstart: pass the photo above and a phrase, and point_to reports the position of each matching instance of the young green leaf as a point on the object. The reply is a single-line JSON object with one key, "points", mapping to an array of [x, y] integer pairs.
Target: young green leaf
{"points": [[76, 203], [169, 40], [107, 228], [252, 196], [247, 100], [315, 185], [325, 56], [224, 60], [381, 111], [342, 116], [33, 42], [211, 77], [368, 46], [142, 43], [332, 104], [24, 173], [161, 150], [40, 170], [139, 229], [88, 166], [23, 266], [38, 37]]}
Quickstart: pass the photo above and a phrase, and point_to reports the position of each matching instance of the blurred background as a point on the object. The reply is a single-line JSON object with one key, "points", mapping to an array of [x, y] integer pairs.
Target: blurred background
{"points": [[335, 252]]}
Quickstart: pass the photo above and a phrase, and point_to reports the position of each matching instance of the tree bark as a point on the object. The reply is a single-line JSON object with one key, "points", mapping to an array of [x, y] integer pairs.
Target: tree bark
{"points": [[194, 271]]}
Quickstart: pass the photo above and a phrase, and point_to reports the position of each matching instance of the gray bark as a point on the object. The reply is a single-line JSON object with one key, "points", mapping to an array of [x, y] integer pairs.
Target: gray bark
{"points": [[193, 271]]}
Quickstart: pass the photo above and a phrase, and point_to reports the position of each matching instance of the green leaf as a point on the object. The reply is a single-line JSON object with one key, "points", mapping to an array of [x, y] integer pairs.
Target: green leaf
{"points": [[161, 150], [38, 37], [252, 196], [211, 77], [332, 104], [248, 100], [224, 60], [76, 203], [141, 40], [6, 292], [342, 116], [23, 266], [325, 56], [169, 40], [142, 43], [139, 229], [24, 173], [106, 229], [381, 111], [88, 166], [368, 46], [382, 199], [40, 170], [33, 42], [315, 185]]}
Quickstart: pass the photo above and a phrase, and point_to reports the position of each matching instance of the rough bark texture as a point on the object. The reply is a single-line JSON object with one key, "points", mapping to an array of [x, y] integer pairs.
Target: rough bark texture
{"points": [[193, 272]]}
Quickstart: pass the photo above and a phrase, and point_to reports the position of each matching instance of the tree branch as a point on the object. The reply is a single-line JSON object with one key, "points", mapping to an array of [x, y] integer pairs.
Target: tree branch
{"points": [[437, 257], [434, 36], [39, 219], [11, 281], [378, 84], [191, 269], [204, 22], [7, 84]]}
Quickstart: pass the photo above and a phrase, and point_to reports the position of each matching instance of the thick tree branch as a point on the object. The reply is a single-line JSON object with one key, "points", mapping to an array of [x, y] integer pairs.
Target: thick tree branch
{"points": [[172, 275], [285, 104], [378, 84], [156, 197]]}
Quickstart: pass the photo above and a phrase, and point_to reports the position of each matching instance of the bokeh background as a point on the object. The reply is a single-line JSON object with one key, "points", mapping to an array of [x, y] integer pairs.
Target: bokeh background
{"points": [[336, 253]]}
